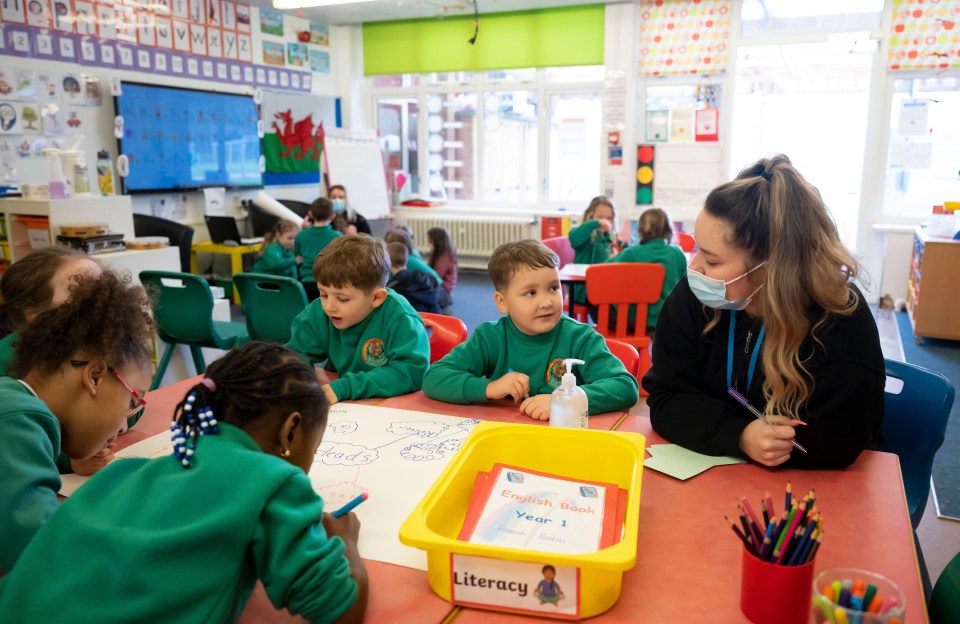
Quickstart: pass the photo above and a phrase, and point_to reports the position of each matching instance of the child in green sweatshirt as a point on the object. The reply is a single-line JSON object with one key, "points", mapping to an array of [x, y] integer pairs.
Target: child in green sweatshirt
{"points": [[180, 539], [79, 372], [312, 240], [369, 334], [593, 240], [277, 256], [655, 233], [522, 354]]}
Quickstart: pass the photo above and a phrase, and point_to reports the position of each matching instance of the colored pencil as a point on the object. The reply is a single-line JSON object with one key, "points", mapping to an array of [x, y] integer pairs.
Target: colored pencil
{"points": [[773, 512], [788, 495], [743, 538]]}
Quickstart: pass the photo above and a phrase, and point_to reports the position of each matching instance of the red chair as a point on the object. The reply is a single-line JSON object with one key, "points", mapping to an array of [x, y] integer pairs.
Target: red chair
{"points": [[627, 354], [687, 243], [622, 284], [562, 247], [446, 332]]}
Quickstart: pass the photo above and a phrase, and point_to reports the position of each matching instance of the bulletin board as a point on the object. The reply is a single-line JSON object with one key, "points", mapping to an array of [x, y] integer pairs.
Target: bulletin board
{"points": [[355, 160]]}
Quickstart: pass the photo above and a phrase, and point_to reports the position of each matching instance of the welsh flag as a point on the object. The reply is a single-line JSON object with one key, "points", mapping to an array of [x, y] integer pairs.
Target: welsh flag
{"points": [[293, 139]]}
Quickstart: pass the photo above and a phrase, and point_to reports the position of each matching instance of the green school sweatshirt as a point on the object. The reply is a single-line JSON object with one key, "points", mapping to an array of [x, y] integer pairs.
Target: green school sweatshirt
{"points": [[659, 252], [6, 351], [29, 478], [383, 355], [416, 264], [146, 540], [277, 260], [495, 348], [308, 244], [590, 247]]}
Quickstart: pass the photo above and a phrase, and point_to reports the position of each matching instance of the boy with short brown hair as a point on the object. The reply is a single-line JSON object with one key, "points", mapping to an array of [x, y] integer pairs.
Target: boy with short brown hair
{"points": [[521, 355], [369, 334]]}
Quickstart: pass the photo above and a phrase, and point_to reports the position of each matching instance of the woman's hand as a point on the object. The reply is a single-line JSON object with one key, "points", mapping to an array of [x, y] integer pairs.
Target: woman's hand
{"points": [[768, 444]]}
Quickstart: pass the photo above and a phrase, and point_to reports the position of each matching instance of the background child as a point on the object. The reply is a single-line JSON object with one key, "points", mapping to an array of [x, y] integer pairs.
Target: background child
{"points": [[276, 255], [655, 234], [312, 240], [402, 235], [79, 372], [443, 260], [347, 220], [370, 335], [204, 541], [593, 240], [418, 287], [34, 284], [518, 355]]}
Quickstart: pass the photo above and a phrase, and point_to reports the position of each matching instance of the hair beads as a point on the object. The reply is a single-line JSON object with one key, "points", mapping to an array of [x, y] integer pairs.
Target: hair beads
{"points": [[195, 423]]}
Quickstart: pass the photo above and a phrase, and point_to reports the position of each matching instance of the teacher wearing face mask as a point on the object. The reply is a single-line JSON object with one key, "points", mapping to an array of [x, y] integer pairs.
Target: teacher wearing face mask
{"points": [[346, 219], [768, 309]]}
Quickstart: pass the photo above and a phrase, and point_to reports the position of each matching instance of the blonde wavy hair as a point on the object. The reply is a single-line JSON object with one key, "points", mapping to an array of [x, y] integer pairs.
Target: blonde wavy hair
{"points": [[777, 216]]}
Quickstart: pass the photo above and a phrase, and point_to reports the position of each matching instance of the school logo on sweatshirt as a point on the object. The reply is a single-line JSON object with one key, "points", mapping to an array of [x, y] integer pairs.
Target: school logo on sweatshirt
{"points": [[372, 353], [554, 372]]}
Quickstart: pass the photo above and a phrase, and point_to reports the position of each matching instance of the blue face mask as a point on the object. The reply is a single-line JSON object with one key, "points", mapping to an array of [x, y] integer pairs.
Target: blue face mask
{"points": [[713, 292], [339, 205]]}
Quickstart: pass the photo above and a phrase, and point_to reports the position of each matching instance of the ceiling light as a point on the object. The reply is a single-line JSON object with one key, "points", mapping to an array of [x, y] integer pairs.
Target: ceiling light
{"points": [[304, 4]]}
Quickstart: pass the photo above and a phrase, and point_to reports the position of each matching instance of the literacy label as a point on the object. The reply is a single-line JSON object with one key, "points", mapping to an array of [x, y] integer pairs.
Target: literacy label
{"points": [[530, 511], [515, 586]]}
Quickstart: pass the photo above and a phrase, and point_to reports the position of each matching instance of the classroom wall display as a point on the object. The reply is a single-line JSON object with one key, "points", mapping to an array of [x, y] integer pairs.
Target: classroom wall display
{"points": [[200, 39], [684, 37], [924, 35]]}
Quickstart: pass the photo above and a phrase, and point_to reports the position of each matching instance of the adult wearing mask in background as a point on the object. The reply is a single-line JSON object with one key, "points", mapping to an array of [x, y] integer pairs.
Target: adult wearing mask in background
{"points": [[347, 220]]}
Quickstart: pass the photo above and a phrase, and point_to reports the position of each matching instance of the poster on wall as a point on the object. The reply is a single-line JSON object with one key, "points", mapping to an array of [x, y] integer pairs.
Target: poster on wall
{"points": [[245, 48], [62, 16], [228, 15], [273, 53], [320, 61], [180, 8], [13, 11], [271, 22], [230, 45], [10, 119], [164, 33], [319, 34], [86, 18], [107, 21], [243, 18], [296, 54], [38, 13]]}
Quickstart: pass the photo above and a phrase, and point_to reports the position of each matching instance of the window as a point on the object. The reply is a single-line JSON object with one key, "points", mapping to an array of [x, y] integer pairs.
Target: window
{"points": [[779, 17], [513, 136], [807, 101], [924, 146]]}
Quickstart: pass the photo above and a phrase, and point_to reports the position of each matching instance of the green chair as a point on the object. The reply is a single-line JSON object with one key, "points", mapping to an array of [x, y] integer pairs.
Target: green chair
{"points": [[914, 426], [945, 601], [270, 303], [183, 311]]}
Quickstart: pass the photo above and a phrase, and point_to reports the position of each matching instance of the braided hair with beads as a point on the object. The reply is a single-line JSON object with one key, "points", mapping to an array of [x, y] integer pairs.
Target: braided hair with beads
{"points": [[245, 385]]}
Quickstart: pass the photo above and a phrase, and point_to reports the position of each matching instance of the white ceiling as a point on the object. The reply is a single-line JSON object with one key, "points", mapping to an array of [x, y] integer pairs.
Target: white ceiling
{"points": [[381, 10]]}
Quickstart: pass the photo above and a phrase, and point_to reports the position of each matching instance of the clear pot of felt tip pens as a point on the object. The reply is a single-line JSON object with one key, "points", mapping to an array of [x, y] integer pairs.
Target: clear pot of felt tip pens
{"points": [[852, 596]]}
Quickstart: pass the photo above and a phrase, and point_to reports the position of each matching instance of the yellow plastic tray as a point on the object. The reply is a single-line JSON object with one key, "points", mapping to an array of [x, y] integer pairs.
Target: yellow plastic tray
{"points": [[575, 453]]}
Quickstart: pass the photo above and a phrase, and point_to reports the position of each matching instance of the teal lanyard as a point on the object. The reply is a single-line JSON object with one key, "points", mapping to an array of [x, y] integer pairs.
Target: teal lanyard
{"points": [[753, 356]]}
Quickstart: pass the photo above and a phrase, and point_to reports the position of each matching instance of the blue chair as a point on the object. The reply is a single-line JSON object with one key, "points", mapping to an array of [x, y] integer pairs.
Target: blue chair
{"points": [[270, 303], [914, 425], [183, 310]]}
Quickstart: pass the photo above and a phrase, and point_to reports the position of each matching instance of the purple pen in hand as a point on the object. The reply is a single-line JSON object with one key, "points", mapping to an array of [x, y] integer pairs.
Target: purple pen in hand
{"points": [[742, 400]]}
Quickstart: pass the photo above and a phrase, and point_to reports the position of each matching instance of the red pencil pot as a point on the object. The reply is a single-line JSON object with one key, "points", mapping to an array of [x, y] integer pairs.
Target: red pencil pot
{"points": [[775, 594]]}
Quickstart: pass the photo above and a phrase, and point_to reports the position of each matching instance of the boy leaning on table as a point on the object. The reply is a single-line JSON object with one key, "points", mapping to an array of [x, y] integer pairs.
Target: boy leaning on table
{"points": [[367, 333], [522, 354]]}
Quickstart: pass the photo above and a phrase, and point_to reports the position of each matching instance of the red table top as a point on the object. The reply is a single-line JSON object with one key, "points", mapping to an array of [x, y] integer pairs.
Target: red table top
{"points": [[688, 561]]}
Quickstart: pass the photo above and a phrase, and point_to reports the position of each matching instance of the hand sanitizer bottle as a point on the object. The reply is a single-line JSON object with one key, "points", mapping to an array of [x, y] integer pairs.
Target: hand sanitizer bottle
{"points": [[568, 403]]}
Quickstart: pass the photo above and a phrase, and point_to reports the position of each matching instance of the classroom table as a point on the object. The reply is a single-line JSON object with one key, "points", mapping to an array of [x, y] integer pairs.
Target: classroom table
{"points": [[236, 253], [688, 560], [572, 274]]}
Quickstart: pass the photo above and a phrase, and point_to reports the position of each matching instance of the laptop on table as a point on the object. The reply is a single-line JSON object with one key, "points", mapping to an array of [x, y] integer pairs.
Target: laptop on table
{"points": [[223, 230]]}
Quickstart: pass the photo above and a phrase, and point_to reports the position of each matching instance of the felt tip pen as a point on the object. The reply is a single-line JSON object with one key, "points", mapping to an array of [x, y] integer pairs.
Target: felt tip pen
{"points": [[742, 400], [349, 506]]}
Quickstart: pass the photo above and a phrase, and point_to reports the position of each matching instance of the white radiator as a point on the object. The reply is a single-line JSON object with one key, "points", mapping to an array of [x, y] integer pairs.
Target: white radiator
{"points": [[475, 237]]}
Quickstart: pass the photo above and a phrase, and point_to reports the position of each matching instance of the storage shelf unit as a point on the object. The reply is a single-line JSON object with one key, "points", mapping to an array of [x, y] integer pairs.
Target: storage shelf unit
{"points": [[932, 297]]}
